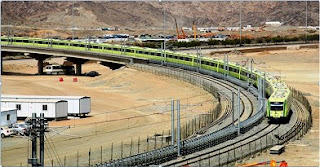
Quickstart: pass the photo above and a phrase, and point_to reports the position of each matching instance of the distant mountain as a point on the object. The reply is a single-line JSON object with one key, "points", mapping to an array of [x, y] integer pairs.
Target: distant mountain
{"points": [[147, 15]]}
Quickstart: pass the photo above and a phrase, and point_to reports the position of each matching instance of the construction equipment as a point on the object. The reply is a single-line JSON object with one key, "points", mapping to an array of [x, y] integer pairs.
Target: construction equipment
{"points": [[194, 30], [183, 36], [271, 163]]}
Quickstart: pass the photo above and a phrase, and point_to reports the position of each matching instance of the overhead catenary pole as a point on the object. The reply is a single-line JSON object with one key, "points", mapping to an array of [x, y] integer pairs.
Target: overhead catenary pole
{"points": [[233, 112], [72, 20], [240, 20], [224, 66], [239, 108], [172, 122], [178, 128], [227, 65], [248, 75]]}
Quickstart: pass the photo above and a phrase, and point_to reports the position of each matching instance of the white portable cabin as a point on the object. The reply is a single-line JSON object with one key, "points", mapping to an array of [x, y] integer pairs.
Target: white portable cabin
{"points": [[52, 109], [77, 105], [8, 116]]}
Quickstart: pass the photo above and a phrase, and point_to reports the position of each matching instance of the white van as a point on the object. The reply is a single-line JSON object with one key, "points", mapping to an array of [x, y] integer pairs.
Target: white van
{"points": [[54, 69]]}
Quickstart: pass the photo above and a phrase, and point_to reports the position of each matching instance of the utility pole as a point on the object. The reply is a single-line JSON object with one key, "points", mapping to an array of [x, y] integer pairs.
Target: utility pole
{"points": [[306, 19], [239, 108], [178, 128], [37, 131], [172, 122], [42, 139]]}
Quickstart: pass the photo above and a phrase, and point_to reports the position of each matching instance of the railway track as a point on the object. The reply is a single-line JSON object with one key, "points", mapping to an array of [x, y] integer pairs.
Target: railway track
{"points": [[247, 100], [152, 157], [265, 134], [225, 141]]}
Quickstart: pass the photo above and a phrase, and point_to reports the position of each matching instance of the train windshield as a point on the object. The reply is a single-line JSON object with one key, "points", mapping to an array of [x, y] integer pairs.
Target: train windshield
{"points": [[278, 106]]}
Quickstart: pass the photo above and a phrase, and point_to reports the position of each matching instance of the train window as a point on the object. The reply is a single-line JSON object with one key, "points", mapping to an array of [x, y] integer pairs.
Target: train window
{"points": [[276, 108], [140, 52], [188, 59], [152, 53], [170, 56], [181, 58], [214, 65], [107, 48], [4, 39], [145, 53], [158, 54], [221, 66], [243, 73], [95, 47], [128, 50], [81, 45], [254, 77], [175, 57]]}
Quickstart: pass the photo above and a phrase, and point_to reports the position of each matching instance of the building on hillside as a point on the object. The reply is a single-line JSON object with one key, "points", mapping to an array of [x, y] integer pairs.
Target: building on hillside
{"points": [[273, 23]]}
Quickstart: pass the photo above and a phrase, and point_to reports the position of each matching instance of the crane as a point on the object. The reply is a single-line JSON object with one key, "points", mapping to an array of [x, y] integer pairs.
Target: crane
{"points": [[183, 36], [194, 30]]}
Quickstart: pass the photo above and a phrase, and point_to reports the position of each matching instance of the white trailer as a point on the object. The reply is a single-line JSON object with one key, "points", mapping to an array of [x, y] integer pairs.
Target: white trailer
{"points": [[8, 116], [77, 105], [52, 109]]}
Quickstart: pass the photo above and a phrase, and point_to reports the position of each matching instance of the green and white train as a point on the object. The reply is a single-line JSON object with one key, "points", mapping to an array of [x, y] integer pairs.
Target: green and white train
{"points": [[277, 91]]}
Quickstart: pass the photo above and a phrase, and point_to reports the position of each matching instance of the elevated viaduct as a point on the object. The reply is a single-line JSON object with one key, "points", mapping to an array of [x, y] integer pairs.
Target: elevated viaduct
{"points": [[75, 56]]}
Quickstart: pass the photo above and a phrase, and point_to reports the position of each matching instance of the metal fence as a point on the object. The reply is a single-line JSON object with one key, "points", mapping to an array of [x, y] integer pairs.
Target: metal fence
{"points": [[260, 144], [100, 154]]}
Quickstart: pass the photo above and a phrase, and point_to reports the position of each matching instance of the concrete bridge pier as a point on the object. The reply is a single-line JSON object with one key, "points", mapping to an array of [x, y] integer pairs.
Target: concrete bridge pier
{"points": [[40, 59], [78, 63]]}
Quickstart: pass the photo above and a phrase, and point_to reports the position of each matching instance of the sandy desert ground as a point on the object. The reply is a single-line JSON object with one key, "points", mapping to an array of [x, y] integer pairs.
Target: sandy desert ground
{"points": [[127, 88], [299, 69], [117, 97]]}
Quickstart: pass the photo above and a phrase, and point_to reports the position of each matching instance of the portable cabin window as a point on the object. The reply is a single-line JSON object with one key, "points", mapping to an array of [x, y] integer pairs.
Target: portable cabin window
{"points": [[18, 106], [8, 117], [44, 107]]}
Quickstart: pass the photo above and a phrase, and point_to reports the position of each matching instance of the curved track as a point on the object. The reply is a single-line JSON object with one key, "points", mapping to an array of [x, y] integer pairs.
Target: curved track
{"points": [[261, 137]]}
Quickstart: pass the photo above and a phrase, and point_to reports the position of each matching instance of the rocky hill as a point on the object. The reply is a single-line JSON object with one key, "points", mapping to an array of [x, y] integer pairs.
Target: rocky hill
{"points": [[149, 15]]}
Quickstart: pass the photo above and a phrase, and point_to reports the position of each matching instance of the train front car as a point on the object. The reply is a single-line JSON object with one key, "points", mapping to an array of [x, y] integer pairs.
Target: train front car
{"points": [[279, 103]]}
